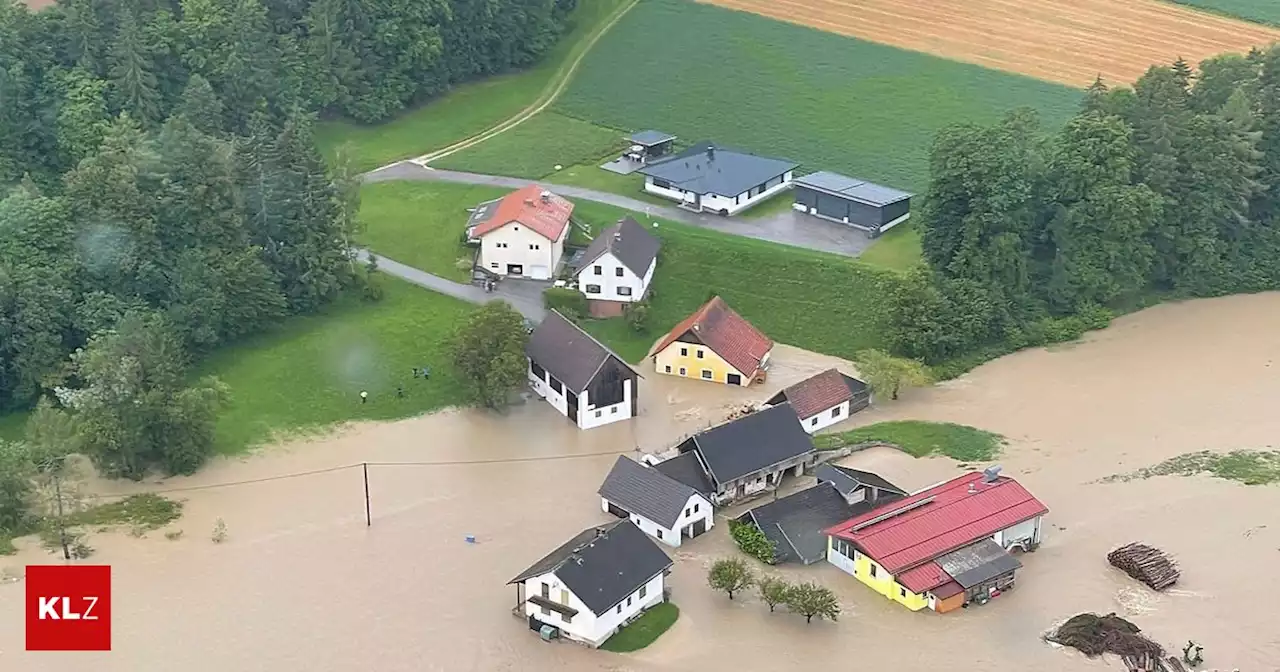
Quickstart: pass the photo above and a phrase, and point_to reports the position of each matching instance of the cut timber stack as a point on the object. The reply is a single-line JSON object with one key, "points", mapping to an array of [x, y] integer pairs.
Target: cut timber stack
{"points": [[1146, 564]]}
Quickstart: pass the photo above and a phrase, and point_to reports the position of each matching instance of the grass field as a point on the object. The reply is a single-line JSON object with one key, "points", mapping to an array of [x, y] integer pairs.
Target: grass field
{"points": [[308, 375], [921, 439], [12, 426], [897, 250], [827, 101], [533, 149], [466, 110], [644, 630], [1266, 12]]}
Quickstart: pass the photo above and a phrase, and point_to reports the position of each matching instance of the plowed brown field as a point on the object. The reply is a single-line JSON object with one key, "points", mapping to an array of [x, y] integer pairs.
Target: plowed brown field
{"points": [[1067, 41]]}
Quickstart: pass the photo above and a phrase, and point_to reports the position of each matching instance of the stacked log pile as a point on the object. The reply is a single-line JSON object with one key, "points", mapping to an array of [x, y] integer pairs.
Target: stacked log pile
{"points": [[1094, 635], [1147, 564]]}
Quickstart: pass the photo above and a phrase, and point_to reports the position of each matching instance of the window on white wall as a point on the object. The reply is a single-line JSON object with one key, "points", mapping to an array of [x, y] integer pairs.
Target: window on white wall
{"points": [[813, 422], [597, 270], [835, 412], [618, 271], [624, 291], [644, 590], [598, 413], [628, 600], [659, 534], [593, 289]]}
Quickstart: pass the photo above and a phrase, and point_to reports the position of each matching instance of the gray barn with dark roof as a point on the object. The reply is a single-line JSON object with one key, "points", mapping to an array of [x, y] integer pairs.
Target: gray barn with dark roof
{"points": [[578, 375], [751, 454], [849, 200]]}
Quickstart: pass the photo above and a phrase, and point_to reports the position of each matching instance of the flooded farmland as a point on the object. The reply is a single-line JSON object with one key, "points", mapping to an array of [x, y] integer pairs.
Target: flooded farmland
{"points": [[302, 584]]}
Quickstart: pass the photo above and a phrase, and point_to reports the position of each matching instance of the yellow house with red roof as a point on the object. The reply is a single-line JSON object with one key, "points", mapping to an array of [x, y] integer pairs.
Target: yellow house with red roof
{"points": [[942, 547], [717, 344]]}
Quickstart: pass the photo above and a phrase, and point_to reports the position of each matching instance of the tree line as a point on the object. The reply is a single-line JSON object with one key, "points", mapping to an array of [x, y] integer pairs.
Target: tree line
{"points": [[1170, 188]]}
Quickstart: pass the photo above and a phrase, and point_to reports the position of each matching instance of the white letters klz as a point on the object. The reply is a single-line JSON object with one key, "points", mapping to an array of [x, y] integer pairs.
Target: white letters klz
{"points": [[49, 609]]}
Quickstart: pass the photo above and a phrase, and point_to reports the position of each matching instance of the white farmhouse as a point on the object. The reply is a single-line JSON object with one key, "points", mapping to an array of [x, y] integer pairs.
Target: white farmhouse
{"points": [[590, 587], [659, 505], [578, 375], [521, 234], [824, 399], [618, 267], [706, 178]]}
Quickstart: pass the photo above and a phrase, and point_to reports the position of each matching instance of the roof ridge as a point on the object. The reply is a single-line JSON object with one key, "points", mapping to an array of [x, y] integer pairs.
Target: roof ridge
{"points": [[604, 347]]}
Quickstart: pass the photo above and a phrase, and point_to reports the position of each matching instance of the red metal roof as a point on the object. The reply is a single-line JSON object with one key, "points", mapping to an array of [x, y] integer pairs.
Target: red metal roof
{"points": [[923, 577], [547, 217], [814, 395], [726, 333], [953, 517]]}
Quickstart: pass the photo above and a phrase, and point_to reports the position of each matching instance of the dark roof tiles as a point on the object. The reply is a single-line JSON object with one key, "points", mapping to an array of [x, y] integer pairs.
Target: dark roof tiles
{"points": [[629, 242], [646, 491], [707, 169], [568, 353], [752, 443]]}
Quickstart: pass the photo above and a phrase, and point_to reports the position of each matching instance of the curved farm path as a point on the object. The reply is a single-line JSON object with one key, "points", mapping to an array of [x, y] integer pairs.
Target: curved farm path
{"points": [[1065, 41], [549, 96]]}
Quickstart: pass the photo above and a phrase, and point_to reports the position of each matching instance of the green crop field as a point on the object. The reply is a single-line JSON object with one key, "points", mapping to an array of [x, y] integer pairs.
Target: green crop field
{"points": [[533, 149], [1258, 11], [827, 101]]}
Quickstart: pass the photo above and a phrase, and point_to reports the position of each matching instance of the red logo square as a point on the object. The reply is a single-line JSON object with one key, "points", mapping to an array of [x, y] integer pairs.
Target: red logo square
{"points": [[68, 608]]}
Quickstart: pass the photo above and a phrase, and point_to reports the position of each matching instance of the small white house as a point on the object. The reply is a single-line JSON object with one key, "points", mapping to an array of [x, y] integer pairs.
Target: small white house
{"points": [[521, 234], [618, 267], [579, 376], [824, 399], [706, 178], [590, 587], [659, 505]]}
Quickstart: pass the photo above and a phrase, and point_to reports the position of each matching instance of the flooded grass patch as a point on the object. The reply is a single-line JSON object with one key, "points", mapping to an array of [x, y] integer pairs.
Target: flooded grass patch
{"points": [[921, 439], [1250, 467], [146, 511], [644, 630]]}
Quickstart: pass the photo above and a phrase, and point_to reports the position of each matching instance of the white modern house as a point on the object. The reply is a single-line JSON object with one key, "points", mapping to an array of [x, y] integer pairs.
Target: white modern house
{"points": [[594, 584], [824, 399], [659, 505], [579, 376], [521, 234], [706, 178], [618, 267]]}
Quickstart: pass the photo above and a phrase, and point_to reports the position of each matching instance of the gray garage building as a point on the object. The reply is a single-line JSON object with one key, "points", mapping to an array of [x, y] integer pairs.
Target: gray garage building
{"points": [[849, 200]]}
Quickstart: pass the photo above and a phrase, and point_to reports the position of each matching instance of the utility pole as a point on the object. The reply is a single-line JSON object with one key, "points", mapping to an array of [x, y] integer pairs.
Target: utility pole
{"points": [[368, 516]]}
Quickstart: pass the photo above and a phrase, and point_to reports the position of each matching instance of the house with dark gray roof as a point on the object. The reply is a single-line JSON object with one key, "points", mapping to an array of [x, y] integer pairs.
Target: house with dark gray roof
{"points": [[584, 380], [848, 200], [797, 523], [707, 178], [661, 506], [825, 399], [751, 454], [592, 585], [618, 267]]}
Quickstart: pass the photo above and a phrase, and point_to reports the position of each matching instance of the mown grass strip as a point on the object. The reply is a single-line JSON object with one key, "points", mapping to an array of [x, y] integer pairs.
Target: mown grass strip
{"points": [[919, 438]]}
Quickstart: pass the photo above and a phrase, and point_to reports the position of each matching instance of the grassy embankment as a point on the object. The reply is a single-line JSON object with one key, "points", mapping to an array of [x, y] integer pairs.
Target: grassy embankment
{"points": [[822, 302], [141, 513], [469, 108], [921, 439], [1266, 12], [1250, 467], [644, 630]]}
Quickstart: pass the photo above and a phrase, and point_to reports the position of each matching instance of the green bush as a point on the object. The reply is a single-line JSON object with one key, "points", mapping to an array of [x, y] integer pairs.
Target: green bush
{"points": [[637, 315], [753, 542], [568, 302]]}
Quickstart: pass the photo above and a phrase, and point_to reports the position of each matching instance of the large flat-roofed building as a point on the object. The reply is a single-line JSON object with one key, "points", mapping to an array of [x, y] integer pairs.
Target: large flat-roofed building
{"points": [[849, 200]]}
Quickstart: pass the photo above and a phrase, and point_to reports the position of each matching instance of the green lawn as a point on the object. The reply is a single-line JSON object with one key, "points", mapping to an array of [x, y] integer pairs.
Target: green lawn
{"points": [[469, 108], [12, 425], [1258, 11], [897, 250], [827, 101], [920, 439], [644, 630], [779, 203], [308, 375], [1250, 467], [590, 176], [534, 148]]}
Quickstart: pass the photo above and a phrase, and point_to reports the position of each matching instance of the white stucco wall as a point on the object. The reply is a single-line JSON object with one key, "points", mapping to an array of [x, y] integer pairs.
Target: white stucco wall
{"points": [[587, 626], [526, 247], [717, 202], [609, 280], [1026, 533], [672, 537], [589, 416], [825, 419]]}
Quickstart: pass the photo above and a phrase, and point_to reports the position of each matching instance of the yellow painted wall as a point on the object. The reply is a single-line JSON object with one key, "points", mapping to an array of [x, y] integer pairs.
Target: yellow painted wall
{"points": [[670, 356], [884, 583]]}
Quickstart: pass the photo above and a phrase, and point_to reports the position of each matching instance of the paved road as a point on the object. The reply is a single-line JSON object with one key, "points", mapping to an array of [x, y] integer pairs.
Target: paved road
{"points": [[787, 228], [525, 296]]}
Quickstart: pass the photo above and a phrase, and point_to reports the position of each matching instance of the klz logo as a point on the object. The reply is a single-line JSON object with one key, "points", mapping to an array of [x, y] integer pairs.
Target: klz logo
{"points": [[68, 608]]}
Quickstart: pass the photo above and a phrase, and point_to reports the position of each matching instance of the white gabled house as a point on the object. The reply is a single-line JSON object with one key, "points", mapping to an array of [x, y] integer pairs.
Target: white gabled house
{"points": [[594, 584], [824, 399], [521, 234], [618, 267], [578, 375], [659, 505], [706, 178]]}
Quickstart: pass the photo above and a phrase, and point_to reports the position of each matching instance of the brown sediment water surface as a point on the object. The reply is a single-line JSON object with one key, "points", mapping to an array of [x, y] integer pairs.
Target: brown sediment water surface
{"points": [[302, 584]]}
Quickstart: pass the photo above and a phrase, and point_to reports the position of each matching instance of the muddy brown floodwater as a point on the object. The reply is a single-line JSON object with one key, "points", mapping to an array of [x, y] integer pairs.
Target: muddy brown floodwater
{"points": [[301, 583]]}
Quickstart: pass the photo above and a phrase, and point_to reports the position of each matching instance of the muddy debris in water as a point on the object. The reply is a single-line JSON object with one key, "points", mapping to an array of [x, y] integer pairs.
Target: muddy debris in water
{"points": [[1094, 635]]}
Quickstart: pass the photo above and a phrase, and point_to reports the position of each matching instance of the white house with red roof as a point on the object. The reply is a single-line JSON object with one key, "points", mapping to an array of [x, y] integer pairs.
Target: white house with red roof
{"points": [[521, 234], [942, 547], [825, 399]]}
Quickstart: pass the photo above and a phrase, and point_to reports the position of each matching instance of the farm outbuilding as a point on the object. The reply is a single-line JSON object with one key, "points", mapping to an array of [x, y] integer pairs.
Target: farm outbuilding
{"points": [[849, 200], [652, 143]]}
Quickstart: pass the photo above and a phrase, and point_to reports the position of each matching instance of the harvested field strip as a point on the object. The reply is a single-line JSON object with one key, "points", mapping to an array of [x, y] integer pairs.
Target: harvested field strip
{"points": [[1067, 41]]}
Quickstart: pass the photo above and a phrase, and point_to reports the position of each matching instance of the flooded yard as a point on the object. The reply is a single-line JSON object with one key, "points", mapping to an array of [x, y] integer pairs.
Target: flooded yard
{"points": [[302, 584]]}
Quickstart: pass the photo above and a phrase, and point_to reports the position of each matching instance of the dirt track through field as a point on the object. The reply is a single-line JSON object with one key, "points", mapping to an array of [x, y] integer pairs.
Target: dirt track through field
{"points": [[1066, 41]]}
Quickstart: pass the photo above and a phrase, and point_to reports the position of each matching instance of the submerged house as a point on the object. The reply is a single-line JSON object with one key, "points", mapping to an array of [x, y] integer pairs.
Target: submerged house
{"points": [[716, 344], [825, 399], [661, 506], [943, 547], [594, 584], [744, 457], [579, 376]]}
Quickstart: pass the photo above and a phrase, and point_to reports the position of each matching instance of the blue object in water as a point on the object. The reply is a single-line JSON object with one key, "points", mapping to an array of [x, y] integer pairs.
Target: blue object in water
{"points": [[471, 538]]}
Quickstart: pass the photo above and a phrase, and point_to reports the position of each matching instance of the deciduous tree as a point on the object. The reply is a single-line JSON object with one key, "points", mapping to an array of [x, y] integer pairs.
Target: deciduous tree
{"points": [[810, 599], [887, 375], [730, 575], [488, 354], [773, 591]]}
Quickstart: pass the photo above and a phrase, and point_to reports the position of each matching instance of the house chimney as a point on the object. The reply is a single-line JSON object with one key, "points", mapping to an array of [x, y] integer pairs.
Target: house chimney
{"points": [[711, 152], [990, 474], [973, 489], [546, 197]]}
